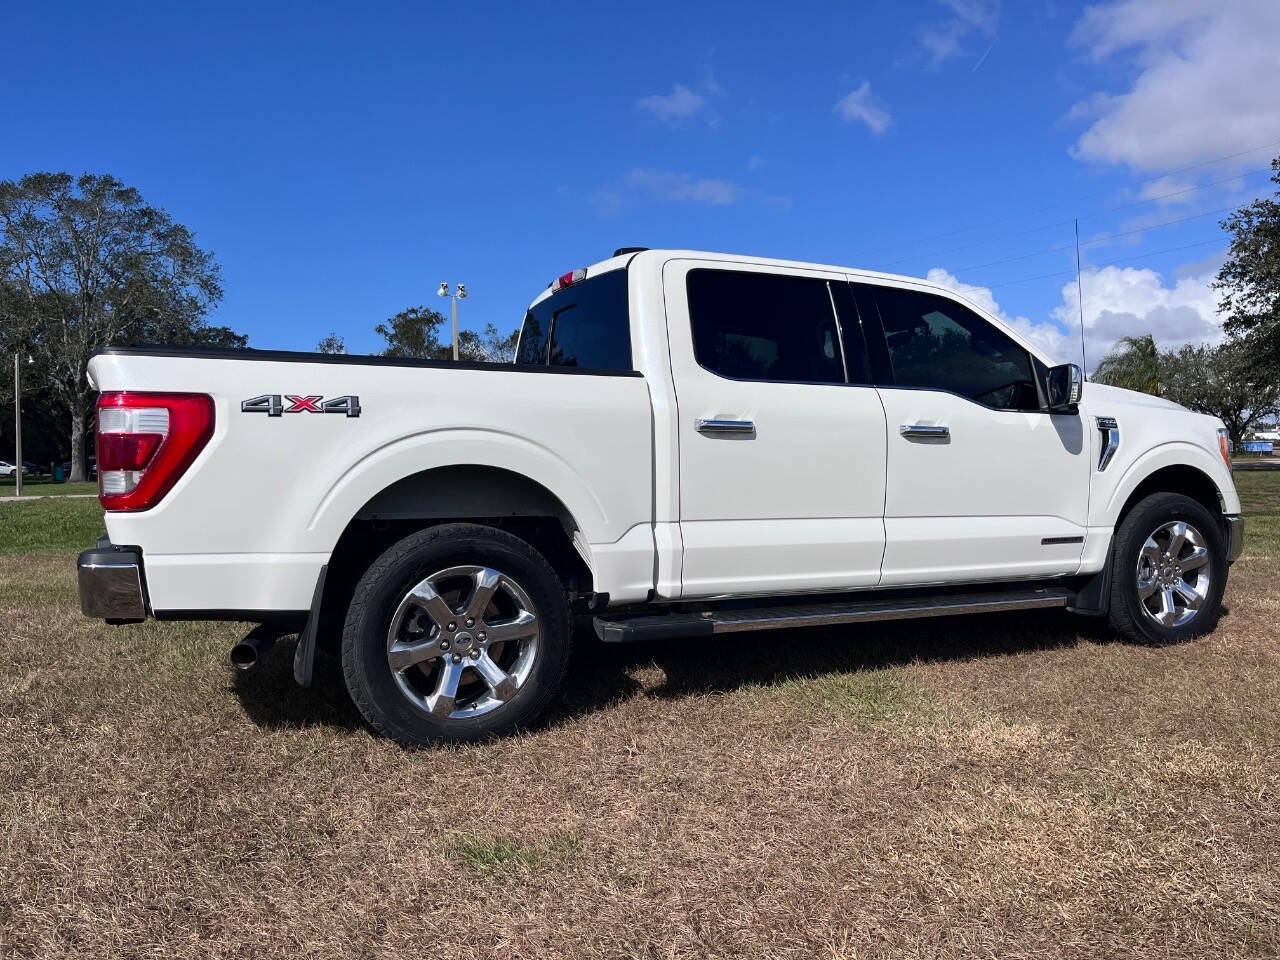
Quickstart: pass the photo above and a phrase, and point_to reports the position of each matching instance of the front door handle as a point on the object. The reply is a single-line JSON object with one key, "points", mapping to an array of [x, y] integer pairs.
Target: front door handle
{"points": [[719, 427], [925, 431]]}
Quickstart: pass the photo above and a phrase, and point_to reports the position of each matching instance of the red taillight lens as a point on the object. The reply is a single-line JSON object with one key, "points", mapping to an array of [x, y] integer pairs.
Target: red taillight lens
{"points": [[146, 441]]}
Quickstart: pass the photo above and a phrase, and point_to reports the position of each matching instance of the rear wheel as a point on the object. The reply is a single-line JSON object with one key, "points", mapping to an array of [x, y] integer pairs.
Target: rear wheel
{"points": [[1169, 570], [456, 633]]}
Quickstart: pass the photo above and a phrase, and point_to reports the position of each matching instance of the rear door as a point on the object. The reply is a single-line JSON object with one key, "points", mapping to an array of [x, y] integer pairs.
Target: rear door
{"points": [[983, 483], [782, 438]]}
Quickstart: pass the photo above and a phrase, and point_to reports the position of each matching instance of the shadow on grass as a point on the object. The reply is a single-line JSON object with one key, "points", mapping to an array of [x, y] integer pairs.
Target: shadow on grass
{"points": [[271, 699], [602, 675]]}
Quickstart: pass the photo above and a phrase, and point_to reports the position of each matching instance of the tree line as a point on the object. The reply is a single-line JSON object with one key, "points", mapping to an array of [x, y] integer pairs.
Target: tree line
{"points": [[86, 262]]}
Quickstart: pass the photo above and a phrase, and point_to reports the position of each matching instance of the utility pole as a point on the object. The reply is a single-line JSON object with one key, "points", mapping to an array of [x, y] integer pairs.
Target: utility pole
{"points": [[17, 424], [453, 304]]}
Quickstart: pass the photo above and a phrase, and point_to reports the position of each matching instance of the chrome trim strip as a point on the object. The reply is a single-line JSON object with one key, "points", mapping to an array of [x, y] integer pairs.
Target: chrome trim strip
{"points": [[718, 426], [1235, 537], [1110, 431]]}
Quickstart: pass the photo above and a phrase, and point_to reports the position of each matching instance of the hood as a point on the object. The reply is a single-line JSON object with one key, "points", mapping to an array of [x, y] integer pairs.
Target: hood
{"points": [[1104, 393]]}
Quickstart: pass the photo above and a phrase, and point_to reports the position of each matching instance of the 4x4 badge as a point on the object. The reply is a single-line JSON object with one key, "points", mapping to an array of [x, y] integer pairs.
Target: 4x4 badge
{"points": [[273, 404]]}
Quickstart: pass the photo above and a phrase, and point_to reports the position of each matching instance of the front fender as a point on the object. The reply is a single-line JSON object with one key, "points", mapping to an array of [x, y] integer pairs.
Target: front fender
{"points": [[1169, 454]]}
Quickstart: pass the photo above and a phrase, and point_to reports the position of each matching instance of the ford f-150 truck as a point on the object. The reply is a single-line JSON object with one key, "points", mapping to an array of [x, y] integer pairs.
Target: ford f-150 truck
{"points": [[687, 444]]}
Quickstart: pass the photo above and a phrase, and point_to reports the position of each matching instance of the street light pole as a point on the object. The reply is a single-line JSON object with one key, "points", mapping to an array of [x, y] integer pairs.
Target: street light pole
{"points": [[453, 298], [17, 424]]}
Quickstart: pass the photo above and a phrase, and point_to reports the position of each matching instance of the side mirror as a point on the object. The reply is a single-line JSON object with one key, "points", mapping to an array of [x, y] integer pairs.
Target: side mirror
{"points": [[1063, 386]]}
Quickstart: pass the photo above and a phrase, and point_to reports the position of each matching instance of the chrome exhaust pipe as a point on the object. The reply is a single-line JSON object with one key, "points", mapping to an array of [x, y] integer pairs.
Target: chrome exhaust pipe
{"points": [[248, 653]]}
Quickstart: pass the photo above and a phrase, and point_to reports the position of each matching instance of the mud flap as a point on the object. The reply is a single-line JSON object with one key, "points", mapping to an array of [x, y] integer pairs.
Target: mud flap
{"points": [[304, 657]]}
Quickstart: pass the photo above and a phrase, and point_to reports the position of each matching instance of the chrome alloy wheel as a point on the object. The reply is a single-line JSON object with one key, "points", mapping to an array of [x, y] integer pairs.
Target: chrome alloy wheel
{"points": [[462, 642], [1173, 573]]}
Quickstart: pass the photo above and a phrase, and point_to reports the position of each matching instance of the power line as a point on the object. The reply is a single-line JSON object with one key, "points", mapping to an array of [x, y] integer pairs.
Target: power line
{"points": [[1087, 196], [1057, 223], [1109, 263], [1096, 240]]}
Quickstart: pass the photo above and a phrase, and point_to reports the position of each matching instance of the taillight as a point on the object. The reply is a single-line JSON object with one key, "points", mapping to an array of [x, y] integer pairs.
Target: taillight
{"points": [[146, 441], [568, 280]]}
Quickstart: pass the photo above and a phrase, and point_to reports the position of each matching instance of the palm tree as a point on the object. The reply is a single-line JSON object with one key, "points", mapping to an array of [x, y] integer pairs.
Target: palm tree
{"points": [[1134, 363]]}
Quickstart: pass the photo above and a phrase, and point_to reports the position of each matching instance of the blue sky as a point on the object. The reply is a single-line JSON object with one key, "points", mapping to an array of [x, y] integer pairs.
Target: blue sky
{"points": [[341, 160]]}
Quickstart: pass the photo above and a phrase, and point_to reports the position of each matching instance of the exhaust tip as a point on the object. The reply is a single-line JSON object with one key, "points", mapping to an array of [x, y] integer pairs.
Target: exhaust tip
{"points": [[248, 653]]}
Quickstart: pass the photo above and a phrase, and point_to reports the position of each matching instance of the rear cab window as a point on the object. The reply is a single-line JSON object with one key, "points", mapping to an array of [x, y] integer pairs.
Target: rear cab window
{"points": [[585, 325]]}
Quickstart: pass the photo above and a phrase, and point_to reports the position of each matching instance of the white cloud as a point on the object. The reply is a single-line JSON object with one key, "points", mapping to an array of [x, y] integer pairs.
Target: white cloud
{"points": [[674, 107], [665, 186], [862, 106], [1118, 302], [1207, 73], [1132, 301], [944, 38]]}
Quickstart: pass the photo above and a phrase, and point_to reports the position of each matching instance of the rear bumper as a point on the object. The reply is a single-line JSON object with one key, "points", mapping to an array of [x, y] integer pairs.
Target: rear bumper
{"points": [[110, 581], [1235, 538]]}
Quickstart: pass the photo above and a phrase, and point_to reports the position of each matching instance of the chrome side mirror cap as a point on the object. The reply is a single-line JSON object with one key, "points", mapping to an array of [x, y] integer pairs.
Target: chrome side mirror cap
{"points": [[1063, 387]]}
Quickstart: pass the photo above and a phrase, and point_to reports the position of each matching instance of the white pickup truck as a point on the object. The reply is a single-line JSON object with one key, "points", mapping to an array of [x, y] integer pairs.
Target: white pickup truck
{"points": [[687, 444]]}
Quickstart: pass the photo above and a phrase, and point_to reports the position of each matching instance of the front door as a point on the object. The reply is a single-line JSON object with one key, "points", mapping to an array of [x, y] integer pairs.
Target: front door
{"points": [[983, 483], [782, 438]]}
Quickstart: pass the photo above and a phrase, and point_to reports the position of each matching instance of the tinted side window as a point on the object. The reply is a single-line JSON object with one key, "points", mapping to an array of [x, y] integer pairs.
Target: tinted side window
{"points": [[938, 344], [764, 326], [586, 325]]}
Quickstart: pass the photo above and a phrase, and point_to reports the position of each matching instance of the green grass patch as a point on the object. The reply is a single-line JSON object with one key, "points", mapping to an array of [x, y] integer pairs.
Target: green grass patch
{"points": [[1259, 491], [44, 487], [49, 526], [868, 695], [498, 853]]}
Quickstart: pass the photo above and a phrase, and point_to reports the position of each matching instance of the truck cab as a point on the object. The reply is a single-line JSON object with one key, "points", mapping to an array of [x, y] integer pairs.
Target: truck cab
{"points": [[687, 443]]}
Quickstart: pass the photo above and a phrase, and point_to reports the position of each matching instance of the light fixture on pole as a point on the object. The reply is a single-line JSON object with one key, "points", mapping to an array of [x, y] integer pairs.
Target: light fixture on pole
{"points": [[453, 304]]}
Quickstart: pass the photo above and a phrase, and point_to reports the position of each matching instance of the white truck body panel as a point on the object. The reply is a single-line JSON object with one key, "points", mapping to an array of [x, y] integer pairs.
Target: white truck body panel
{"points": [[826, 494]]}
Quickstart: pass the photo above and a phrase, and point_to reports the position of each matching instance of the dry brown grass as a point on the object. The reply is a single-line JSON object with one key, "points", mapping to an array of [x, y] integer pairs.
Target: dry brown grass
{"points": [[996, 786]]}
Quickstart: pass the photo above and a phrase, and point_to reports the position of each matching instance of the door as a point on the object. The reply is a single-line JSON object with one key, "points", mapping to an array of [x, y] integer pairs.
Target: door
{"points": [[983, 483], [782, 438]]}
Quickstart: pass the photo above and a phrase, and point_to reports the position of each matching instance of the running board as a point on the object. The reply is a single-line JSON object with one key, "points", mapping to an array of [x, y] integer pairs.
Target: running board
{"points": [[627, 628]]}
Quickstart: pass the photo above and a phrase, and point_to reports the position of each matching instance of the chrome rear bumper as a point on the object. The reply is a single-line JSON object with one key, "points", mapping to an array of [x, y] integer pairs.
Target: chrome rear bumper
{"points": [[1235, 537], [110, 580]]}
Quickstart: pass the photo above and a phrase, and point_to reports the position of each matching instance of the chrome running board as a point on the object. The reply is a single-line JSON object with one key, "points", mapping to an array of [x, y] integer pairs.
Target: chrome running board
{"points": [[626, 628]]}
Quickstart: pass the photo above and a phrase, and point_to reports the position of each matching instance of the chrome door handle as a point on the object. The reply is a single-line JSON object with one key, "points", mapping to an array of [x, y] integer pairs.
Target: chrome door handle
{"points": [[720, 427], [925, 431]]}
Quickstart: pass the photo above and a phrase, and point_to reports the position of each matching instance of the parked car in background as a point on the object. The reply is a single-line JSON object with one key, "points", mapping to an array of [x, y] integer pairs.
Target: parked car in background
{"points": [[34, 469], [688, 444], [8, 469]]}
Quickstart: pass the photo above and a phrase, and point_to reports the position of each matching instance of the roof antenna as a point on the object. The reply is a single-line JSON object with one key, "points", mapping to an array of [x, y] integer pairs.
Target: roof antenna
{"points": [[1084, 363]]}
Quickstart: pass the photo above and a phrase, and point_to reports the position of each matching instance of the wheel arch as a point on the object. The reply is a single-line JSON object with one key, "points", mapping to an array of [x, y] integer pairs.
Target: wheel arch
{"points": [[1176, 467], [477, 493]]}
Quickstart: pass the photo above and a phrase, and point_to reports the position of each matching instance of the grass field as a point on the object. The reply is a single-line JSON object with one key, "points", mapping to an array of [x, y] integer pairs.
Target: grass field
{"points": [[1003, 786], [44, 487]]}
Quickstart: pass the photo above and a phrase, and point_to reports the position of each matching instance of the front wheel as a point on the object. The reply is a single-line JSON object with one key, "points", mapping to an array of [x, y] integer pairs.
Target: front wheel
{"points": [[456, 633], [1169, 570]]}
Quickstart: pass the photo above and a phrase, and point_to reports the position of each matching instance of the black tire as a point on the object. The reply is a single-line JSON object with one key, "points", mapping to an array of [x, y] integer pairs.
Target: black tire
{"points": [[1128, 616], [379, 692]]}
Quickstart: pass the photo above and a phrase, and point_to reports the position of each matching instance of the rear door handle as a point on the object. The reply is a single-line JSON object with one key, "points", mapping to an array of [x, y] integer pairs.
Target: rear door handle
{"points": [[719, 427], [925, 431]]}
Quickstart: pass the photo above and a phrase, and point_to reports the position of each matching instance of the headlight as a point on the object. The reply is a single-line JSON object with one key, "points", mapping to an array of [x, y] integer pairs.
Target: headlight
{"points": [[1224, 446]]}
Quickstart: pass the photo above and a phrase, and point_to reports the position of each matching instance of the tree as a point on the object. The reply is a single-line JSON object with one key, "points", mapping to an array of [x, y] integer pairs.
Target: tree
{"points": [[86, 262], [1134, 363], [412, 333], [1222, 381], [331, 344], [415, 332], [1250, 279]]}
